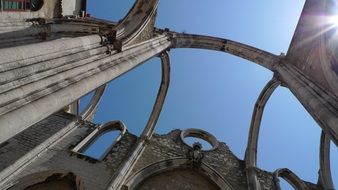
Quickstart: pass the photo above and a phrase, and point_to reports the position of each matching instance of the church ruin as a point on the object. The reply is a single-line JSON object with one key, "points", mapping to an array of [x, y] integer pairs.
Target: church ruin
{"points": [[53, 53]]}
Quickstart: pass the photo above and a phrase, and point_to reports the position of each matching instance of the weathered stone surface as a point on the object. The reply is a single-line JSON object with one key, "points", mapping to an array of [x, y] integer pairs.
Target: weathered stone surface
{"points": [[163, 147], [314, 45], [25, 141], [50, 9], [59, 156], [146, 34], [178, 179]]}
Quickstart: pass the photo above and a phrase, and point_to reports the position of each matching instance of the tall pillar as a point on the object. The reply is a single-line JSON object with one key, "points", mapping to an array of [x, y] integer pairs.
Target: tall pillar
{"points": [[310, 66], [63, 86]]}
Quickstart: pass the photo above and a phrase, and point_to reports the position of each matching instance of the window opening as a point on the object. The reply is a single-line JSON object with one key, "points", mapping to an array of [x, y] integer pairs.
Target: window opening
{"points": [[191, 140], [99, 142], [207, 140]]}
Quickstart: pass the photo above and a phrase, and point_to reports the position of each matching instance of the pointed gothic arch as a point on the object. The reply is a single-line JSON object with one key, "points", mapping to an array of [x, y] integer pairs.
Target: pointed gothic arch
{"points": [[89, 111], [167, 166], [290, 177], [81, 147], [252, 146]]}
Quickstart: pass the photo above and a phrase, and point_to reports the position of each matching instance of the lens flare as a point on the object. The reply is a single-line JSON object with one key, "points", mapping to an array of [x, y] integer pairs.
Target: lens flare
{"points": [[333, 20]]}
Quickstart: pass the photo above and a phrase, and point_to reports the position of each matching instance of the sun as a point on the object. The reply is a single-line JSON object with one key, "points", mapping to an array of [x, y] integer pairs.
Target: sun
{"points": [[333, 20]]}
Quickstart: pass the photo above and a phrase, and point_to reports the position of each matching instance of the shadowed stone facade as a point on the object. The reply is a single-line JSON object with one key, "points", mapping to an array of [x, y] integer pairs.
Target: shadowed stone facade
{"points": [[168, 154], [59, 159], [177, 179]]}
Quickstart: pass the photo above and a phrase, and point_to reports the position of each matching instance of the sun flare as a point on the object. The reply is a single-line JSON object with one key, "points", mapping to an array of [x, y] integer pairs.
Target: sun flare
{"points": [[333, 20]]}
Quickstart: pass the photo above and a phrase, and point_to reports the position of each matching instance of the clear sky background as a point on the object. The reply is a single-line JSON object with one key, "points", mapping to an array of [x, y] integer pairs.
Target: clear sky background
{"points": [[215, 91]]}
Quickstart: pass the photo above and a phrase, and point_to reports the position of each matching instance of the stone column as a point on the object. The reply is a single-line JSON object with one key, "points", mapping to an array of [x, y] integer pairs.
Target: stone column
{"points": [[17, 32], [19, 111]]}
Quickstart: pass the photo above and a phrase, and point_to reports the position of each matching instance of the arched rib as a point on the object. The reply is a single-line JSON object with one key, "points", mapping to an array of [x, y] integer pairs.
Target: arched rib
{"points": [[162, 92], [88, 113], [290, 177], [251, 150], [255, 55], [325, 177], [172, 164], [136, 20], [129, 163]]}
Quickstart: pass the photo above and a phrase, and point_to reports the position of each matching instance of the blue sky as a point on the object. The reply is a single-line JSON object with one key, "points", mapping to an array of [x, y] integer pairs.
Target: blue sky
{"points": [[216, 91]]}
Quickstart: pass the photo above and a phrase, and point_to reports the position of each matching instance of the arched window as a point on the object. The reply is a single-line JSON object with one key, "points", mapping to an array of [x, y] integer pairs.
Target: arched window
{"points": [[21, 5], [206, 140], [99, 142]]}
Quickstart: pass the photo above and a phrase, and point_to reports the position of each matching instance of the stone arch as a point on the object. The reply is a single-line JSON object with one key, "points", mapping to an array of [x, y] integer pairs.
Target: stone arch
{"points": [[151, 123], [325, 176], [177, 164], [161, 96], [138, 17], [50, 178], [201, 134], [252, 146], [290, 177], [88, 113], [255, 55], [97, 133], [318, 103]]}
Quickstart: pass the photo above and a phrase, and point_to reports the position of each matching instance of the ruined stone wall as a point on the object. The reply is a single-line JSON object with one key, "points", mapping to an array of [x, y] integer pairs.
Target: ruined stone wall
{"points": [[24, 142], [161, 153], [222, 160], [179, 179], [58, 159]]}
